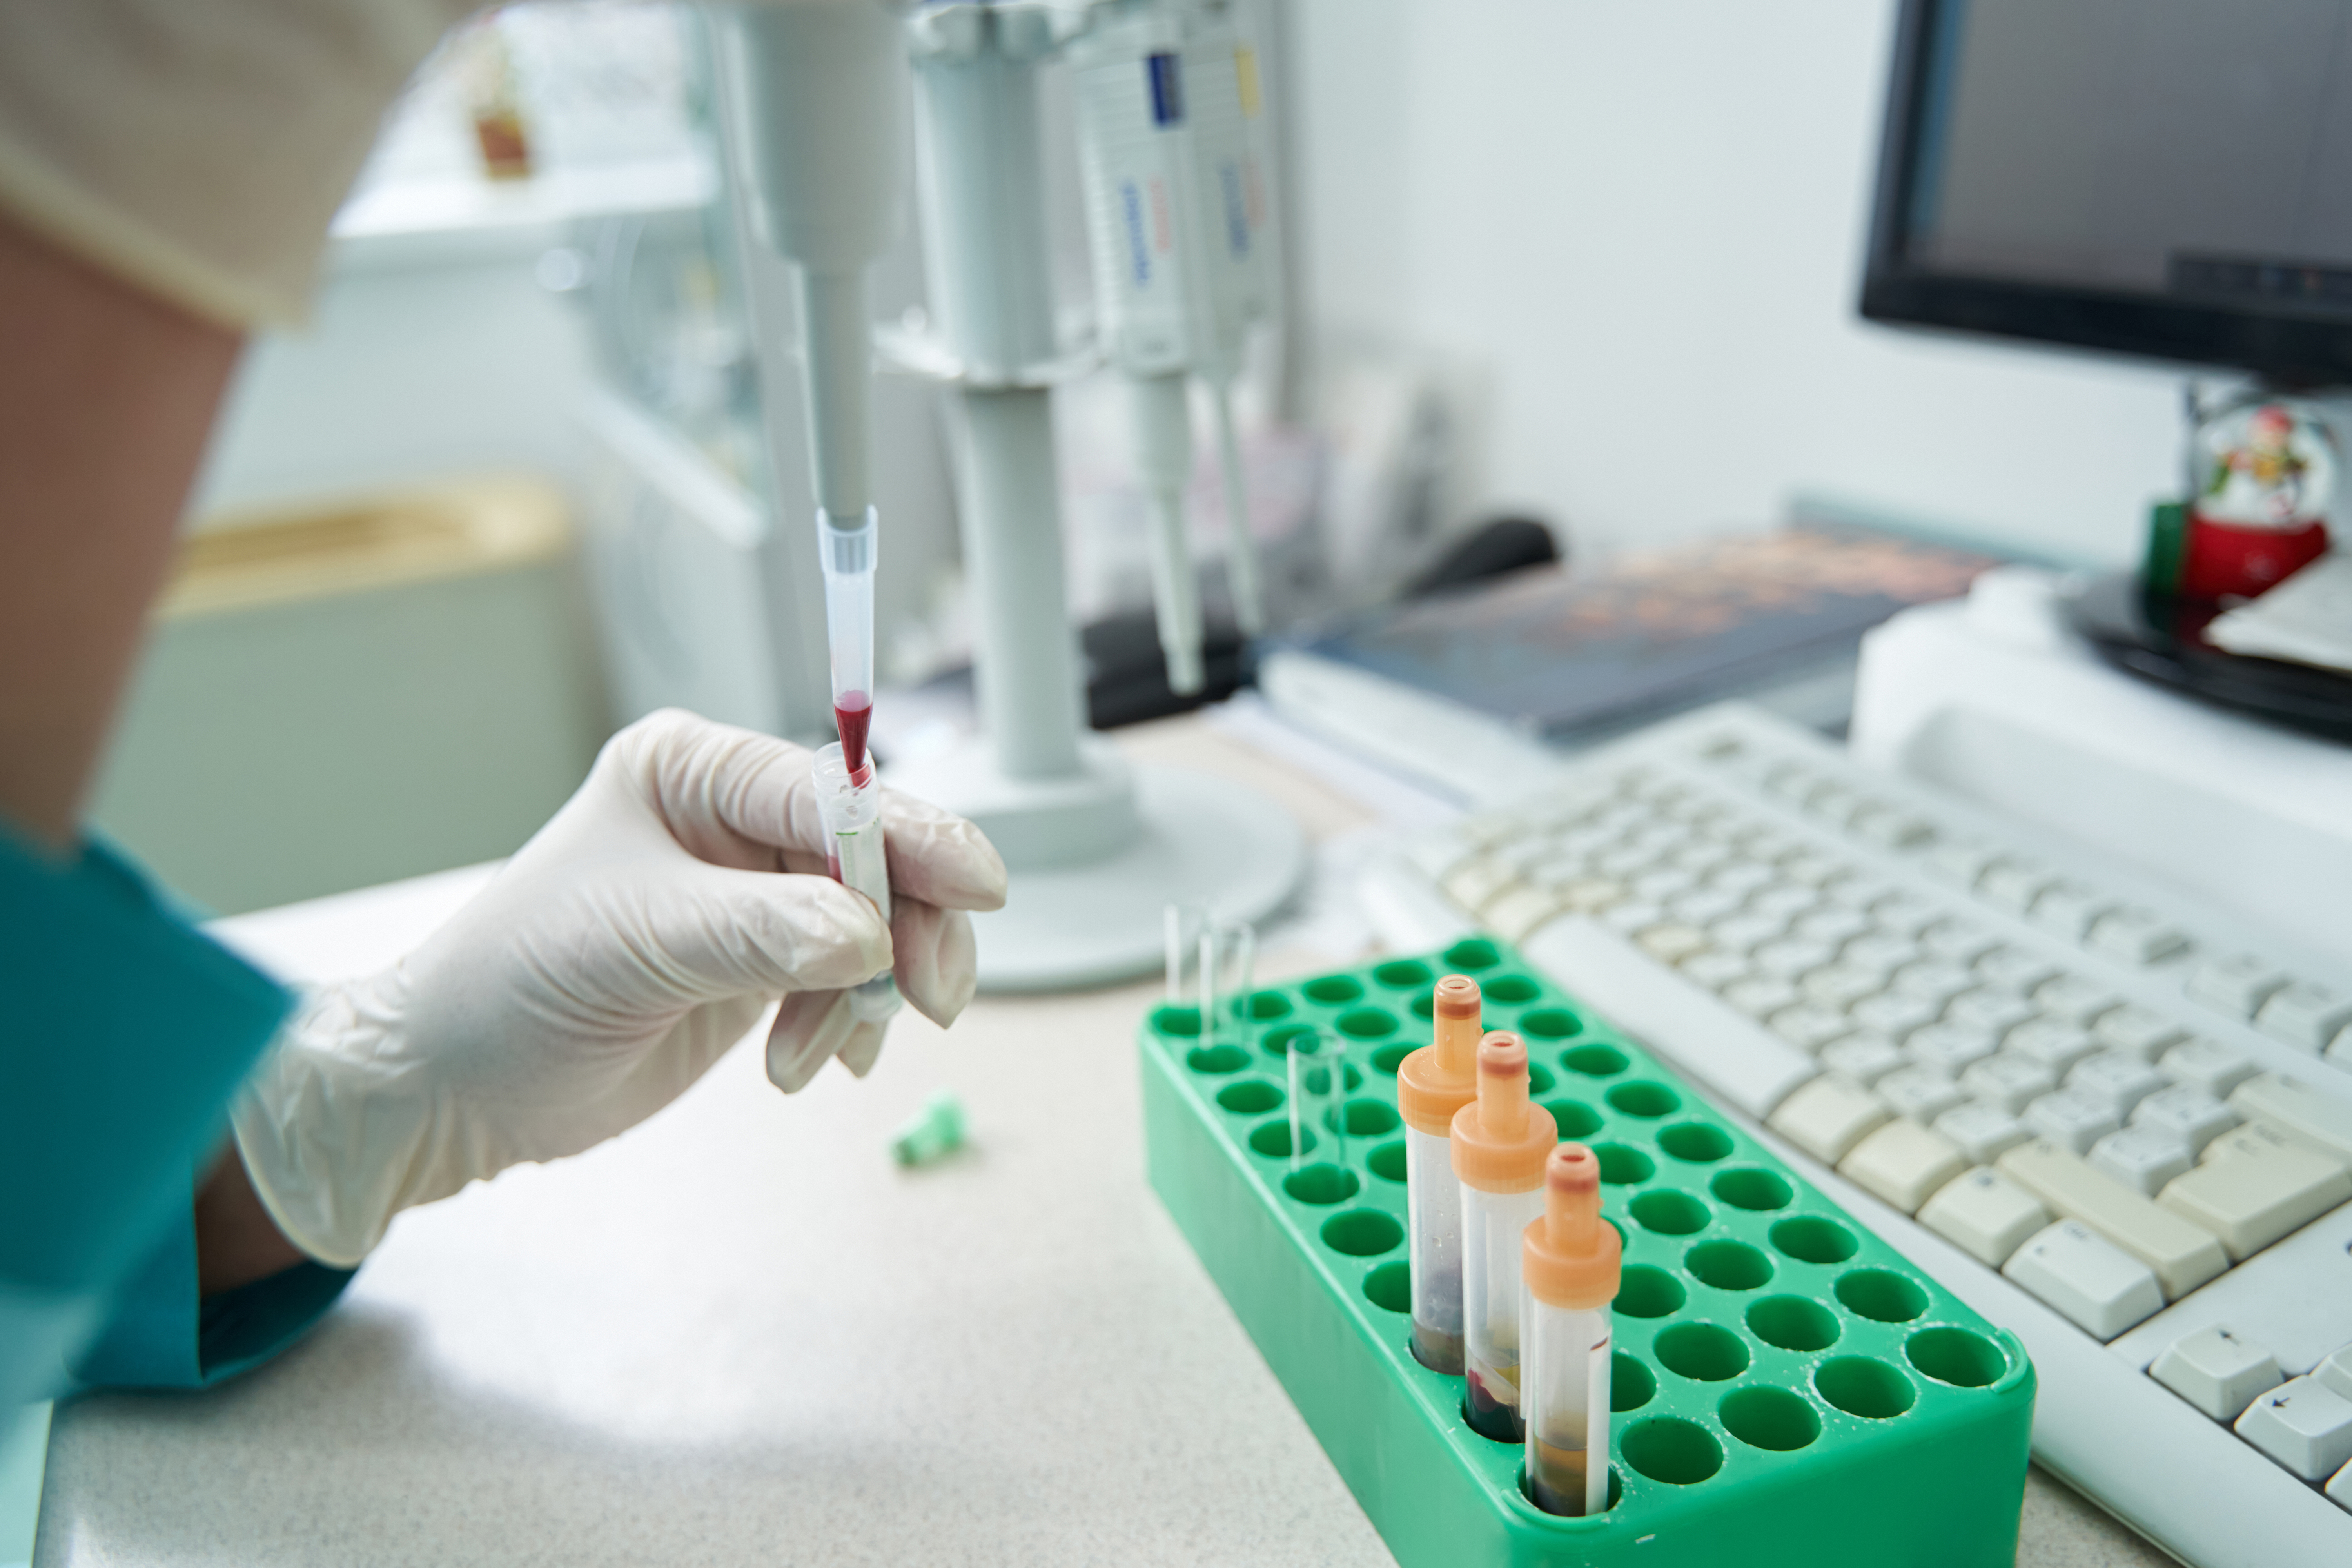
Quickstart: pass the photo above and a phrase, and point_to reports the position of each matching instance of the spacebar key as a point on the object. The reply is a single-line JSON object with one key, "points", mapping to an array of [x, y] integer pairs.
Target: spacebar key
{"points": [[1730, 1053]]}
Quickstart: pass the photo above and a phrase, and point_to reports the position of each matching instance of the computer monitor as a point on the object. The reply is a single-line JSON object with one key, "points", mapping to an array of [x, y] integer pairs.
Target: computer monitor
{"points": [[2164, 178]]}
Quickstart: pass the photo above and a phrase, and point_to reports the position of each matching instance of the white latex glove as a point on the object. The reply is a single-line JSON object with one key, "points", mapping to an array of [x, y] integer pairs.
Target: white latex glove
{"points": [[617, 955]]}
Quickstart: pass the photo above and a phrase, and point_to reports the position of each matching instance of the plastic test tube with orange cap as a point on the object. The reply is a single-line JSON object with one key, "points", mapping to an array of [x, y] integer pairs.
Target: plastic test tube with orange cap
{"points": [[1432, 1084], [1569, 1260], [1500, 1142]]}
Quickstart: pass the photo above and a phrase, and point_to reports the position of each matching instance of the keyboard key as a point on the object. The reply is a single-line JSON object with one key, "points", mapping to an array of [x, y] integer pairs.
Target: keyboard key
{"points": [[1791, 956], [2178, 1253], [1519, 912], [1902, 1164], [1982, 1130], [1742, 876], [2117, 1080], [1812, 870], [1663, 884], [2336, 1372], [2009, 1080], [2306, 1015], [2303, 1109], [1958, 862], [2304, 1425], [2072, 1120], [1834, 924], [1894, 1014], [2102, 1288], [1745, 934], [2218, 1370], [1809, 1027], [2143, 1158], [1882, 953], [1995, 1009], [1827, 1117], [1786, 901], [1890, 829], [2339, 1491], [2186, 1114], [2255, 1186], [2068, 909], [2136, 936], [1705, 906], [1626, 862], [1921, 1093], [1702, 855], [1632, 915], [1760, 996], [2138, 1030], [2215, 1068], [1864, 1058], [1669, 943], [2339, 1050], [1591, 895], [1834, 804], [1949, 1048], [1958, 942], [1985, 1215], [2017, 968], [2073, 999], [2289, 1299], [1716, 968], [2054, 1045], [1859, 890], [2013, 885], [1905, 915], [2236, 984], [1475, 882], [1934, 979], [1839, 987]]}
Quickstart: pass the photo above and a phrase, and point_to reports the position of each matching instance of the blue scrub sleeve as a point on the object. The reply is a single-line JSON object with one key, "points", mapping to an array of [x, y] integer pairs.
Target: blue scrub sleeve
{"points": [[123, 1031]]}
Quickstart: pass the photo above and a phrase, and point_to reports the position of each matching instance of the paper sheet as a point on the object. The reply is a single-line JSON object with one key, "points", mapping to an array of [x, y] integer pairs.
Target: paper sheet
{"points": [[2306, 619]]}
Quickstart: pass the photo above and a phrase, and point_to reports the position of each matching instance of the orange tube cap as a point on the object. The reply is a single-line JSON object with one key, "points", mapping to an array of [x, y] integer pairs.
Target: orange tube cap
{"points": [[1571, 1258], [1499, 1140], [1442, 1077]]}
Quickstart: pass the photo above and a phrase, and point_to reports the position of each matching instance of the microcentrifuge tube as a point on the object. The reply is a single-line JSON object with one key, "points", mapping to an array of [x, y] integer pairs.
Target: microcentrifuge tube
{"points": [[851, 808], [1500, 1142], [932, 1133], [1433, 1083], [1318, 1068], [1569, 1260]]}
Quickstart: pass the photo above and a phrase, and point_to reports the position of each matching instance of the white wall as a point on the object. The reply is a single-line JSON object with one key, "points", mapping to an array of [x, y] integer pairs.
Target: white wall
{"points": [[1643, 220]]}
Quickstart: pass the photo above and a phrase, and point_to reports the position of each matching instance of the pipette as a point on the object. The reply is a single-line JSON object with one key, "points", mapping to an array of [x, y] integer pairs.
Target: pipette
{"points": [[847, 554], [1572, 1260], [852, 809], [1432, 1084], [1501, 1143]]}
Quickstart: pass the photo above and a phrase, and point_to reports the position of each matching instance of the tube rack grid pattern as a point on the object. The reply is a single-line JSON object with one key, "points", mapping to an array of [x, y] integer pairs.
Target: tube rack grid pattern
{"points": [[1787, 1388]]}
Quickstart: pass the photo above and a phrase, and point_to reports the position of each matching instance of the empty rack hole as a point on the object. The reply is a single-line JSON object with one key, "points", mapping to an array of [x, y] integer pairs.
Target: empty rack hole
{"points": [[1667, 1448], [1402, 975], [1622, 1167], [1388, 1058], [1264, 1006], [1272, 1139], [1364, 1118], [1424, 1006], [1333, 990], [1251, 1096], [1214, 1059], [1278, 1041], [1696, 1142], [1472, 955], [1771, 1418], [1511, 990], [1184, 1022], [1573, 1118], [1539, 1078], [1861, 1387], [1390, 1287], [1794, 1323], [1643, 1100], [1595, 1061], [1321, 1183], [1752, 1189], [1362, 1233], [1368, 1023], [1670, 1213], [1387, 1162], [1728, 1266], [1631, 1385], [1550, 1023], [1643, 1291], [1808, 1238], [1956, 1356], [1880, 1295], [1701, 1351]]}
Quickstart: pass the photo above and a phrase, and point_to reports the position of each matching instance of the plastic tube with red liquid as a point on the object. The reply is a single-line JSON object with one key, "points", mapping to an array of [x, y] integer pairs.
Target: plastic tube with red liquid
{"points": [[847, 552], [852, 809]]}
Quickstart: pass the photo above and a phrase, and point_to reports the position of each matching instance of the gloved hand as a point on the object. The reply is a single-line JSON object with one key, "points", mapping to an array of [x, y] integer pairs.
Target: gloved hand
{"points": [[617, 955]]}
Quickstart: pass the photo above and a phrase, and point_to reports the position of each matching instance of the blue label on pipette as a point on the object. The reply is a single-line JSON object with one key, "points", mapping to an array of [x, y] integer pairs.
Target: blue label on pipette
{"points": [[1167, 88]]}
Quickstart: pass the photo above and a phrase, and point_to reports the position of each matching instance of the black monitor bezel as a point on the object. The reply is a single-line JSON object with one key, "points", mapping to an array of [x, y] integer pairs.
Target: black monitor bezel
{"points": [[2280, 343]]}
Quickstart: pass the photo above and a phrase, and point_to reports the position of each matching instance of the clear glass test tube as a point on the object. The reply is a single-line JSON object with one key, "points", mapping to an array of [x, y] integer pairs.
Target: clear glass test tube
{"points": [[1182, 924], [1318, 1072], [852, 812], [1228, 967]]}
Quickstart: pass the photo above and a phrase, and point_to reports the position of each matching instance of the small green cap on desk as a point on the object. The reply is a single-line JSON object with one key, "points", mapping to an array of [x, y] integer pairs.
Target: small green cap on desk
{"points": [[937, 1129]]}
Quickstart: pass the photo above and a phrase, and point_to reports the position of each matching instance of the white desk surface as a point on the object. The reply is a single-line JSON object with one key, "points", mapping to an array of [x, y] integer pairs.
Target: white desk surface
{"points": [[740, 1334]]}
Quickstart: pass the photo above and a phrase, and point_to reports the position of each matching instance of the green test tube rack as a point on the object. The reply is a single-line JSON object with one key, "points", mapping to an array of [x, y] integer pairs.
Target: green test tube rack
{"points": [[1788, 1389]]}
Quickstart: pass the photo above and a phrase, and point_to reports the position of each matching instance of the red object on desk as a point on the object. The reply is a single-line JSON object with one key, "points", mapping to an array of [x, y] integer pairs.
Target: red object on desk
{"points": [[2227, 558]]}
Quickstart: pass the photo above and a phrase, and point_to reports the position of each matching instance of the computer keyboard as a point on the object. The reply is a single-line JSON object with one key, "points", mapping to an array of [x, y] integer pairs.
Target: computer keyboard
{"points": [[2112, 1122]]}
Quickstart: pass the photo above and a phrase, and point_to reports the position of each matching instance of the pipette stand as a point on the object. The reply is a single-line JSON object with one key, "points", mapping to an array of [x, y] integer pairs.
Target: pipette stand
{"points": [[1098, 848]]}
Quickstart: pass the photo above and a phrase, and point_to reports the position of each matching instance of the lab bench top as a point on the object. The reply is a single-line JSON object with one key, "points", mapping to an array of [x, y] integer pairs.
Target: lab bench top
{"points": [[741, 1334]]}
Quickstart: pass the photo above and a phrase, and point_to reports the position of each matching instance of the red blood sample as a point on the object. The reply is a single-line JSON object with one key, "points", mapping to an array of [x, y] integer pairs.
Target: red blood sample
{"points": [[852, 711]]}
